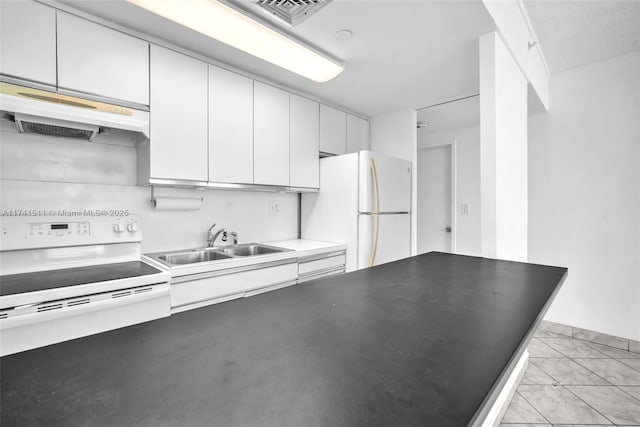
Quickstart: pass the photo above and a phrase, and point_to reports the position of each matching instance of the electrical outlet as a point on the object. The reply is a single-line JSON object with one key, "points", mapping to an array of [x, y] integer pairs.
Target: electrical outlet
{"points": [[274, 207], [466, 208]]}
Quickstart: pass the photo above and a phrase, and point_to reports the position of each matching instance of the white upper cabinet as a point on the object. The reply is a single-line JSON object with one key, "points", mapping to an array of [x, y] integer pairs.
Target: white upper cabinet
{"points": [[178, 121], [101, 61], [230, 127], [304, 131], [271, 135], [28, 41], [357, 134], [333, 130]]}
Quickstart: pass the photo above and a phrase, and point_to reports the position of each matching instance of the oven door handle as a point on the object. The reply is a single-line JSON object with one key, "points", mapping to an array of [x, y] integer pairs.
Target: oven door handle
{"points": [[44, 316]]}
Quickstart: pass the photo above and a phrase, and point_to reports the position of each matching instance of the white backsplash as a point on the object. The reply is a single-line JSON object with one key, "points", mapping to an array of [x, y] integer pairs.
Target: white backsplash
{"points": [[42, 172]]}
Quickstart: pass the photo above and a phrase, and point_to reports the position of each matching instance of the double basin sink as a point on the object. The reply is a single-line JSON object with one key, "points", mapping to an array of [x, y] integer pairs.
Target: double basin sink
{"points": [[214, 254]]}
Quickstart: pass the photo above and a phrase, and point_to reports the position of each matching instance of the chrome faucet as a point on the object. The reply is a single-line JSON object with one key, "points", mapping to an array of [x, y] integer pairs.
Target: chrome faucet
{"points": [[235, 237], [211, 236]]}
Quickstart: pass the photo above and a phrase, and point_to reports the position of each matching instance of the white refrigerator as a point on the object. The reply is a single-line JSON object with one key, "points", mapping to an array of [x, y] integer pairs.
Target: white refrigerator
{"points": [[365, 202]]}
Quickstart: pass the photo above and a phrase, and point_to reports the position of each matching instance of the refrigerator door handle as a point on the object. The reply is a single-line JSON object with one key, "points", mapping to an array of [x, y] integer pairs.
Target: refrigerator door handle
{"points": [[375, 213]]}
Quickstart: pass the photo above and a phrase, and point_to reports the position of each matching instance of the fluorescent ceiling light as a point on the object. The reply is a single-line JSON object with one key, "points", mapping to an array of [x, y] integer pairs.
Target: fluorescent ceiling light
{"points": [[221, 22]]}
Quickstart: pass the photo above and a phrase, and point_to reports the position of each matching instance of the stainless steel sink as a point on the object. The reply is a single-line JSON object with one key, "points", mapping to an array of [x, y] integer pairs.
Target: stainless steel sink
{"points": [[251, 249], [216, 253], [192, 257]]}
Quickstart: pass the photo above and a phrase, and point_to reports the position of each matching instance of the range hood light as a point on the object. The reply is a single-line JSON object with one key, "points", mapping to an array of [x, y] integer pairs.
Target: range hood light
{"points": [[223, 23]]}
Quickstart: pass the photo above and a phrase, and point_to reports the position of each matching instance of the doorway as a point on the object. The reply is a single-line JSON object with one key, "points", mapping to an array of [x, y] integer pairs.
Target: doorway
{"points": [[448, 177], [436, 198]]}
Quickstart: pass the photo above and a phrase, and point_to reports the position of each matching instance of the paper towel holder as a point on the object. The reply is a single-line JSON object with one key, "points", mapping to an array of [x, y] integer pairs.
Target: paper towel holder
{"points": [[153, 199]]}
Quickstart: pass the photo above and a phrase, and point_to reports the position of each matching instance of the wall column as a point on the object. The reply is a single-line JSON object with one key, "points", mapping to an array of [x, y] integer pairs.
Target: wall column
{"points": [[503, 152]]}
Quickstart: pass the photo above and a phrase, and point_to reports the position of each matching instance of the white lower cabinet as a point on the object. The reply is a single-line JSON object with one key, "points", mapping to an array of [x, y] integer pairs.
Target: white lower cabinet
{"points": [[194, 291]]}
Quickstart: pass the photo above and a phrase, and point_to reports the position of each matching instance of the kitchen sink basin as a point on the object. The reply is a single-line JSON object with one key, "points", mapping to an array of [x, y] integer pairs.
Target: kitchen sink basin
{"points": [[251, 249], [213, 254], [192, 257]]}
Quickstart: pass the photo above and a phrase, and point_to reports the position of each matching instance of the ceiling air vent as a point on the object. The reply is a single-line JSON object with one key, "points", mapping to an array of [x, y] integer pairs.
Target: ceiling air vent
{"points": [[292, 12], [45, 126]]}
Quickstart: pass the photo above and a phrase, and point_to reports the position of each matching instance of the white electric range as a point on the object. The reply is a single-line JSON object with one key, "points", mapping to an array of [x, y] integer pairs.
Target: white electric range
{"points": [[67, 277]]}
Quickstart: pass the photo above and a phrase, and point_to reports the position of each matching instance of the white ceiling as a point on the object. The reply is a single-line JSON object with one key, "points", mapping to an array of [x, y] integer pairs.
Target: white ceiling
{"points": [[452, 115], [579, 32], [403, 54]]}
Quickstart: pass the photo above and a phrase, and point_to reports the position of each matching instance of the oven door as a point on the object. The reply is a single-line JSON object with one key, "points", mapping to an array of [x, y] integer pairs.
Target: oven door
{"points": [[32, 326]]}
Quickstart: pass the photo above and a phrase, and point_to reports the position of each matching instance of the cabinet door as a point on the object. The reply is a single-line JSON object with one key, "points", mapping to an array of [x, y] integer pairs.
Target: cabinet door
{"points": [[357, 134], [333, 130], [304, 131], [230, 127], [101, 61], [178, 121], [28, 41], [271, 135]]}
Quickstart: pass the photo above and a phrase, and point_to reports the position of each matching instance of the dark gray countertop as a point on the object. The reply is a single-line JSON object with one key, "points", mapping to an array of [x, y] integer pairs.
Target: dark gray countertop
{"points": [[420, 341]]}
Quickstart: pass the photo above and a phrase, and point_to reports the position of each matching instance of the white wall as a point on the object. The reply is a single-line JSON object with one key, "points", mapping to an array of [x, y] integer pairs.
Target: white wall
{"points": [[467, 143], [584, 189], [503, 152], [395, 134], [90, 176]]}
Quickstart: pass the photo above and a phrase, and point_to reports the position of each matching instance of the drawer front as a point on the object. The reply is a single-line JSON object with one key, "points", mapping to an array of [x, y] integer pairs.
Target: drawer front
{"points": [[321, 264], [230, 285], [320, 274]]}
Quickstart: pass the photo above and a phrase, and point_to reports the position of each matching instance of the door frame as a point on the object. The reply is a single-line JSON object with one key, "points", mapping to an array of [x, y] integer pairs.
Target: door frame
{"points": [[452, 143]]}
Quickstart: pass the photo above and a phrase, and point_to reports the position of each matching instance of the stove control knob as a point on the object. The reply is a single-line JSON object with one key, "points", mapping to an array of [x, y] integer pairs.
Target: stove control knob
{"points": [[132, 227], [118, 227]]}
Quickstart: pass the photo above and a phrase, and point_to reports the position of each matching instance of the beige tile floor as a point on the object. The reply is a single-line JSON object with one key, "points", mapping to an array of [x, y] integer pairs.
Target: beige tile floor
{"points": [[576, 383]]}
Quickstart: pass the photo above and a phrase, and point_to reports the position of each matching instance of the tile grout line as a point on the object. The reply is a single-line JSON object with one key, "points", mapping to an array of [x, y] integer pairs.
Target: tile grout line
{"points": [[572, 359], [552, 377], [626, 392], [573, 331], [608, 358], [628, 366], [547, 345], [563, 386], [579, 398], [569, 357], [581, 341], [594, 373], [604, 379], [531, 404], [590, 344]]}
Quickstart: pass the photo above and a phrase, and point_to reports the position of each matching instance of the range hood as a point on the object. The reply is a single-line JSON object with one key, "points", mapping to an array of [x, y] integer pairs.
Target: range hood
{"points": [[55, 114]]}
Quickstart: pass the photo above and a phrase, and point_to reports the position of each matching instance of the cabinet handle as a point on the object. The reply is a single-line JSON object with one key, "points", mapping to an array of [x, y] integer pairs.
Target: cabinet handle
{"points": [[375, 213]]}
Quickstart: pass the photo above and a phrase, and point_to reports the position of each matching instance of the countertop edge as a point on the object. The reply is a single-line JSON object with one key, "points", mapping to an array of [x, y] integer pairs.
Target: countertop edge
{"points": [[295, 252], [490, 399]]}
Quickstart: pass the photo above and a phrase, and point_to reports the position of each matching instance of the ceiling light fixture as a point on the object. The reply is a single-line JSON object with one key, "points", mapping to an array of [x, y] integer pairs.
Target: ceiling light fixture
{"points": [[229, 26]]}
